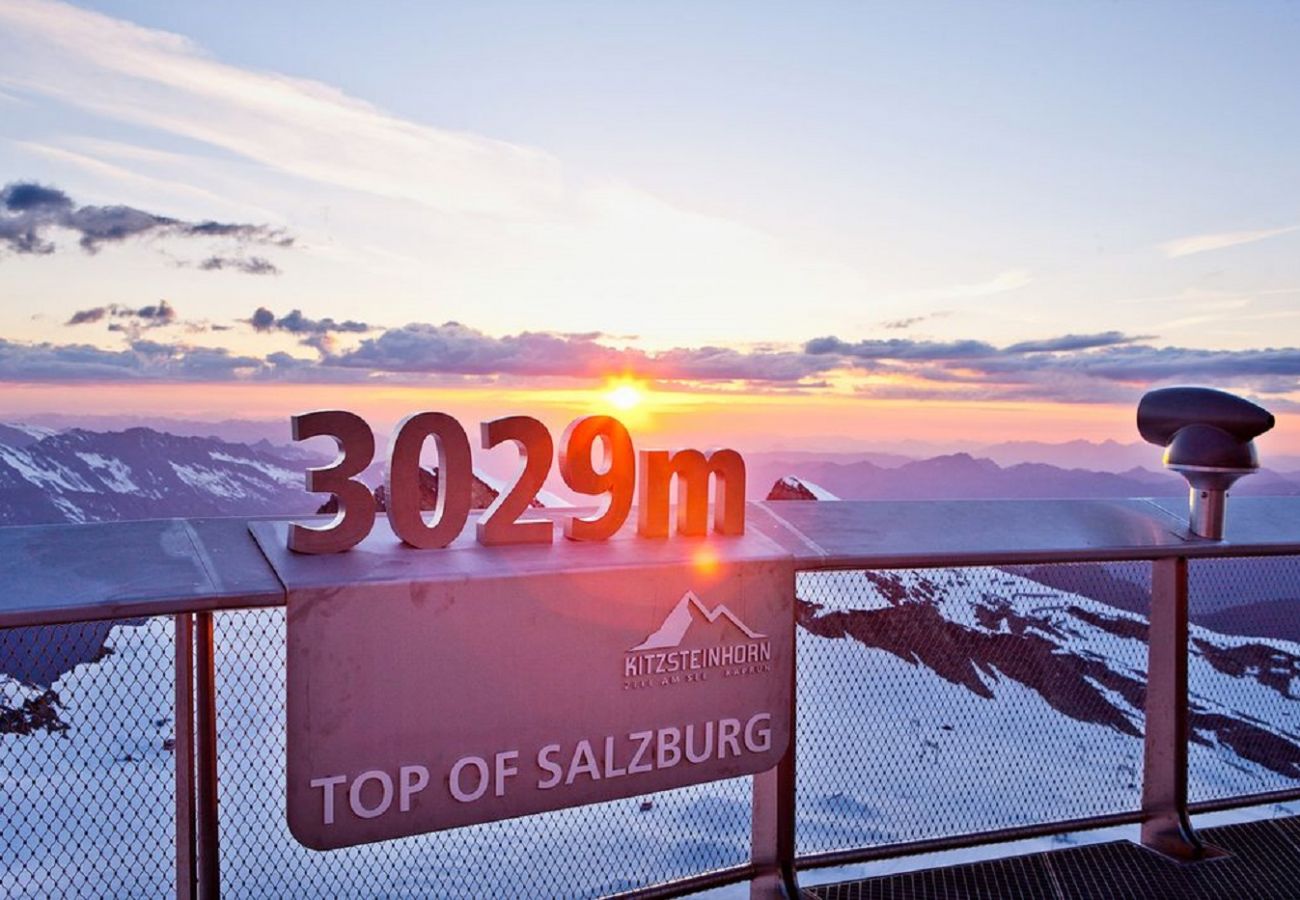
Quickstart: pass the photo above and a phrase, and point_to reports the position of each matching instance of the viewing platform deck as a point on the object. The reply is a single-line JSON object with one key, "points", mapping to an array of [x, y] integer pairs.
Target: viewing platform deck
{"points": [[1261, 861]]}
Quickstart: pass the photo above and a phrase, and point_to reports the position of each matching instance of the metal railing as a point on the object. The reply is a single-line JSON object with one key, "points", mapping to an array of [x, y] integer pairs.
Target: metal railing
{"points": [[111, 764]]}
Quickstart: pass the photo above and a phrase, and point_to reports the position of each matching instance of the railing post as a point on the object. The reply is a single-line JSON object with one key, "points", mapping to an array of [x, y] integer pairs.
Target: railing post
{"points": [[1165, 825], [772, 830], [183, 748], [209, 860]]}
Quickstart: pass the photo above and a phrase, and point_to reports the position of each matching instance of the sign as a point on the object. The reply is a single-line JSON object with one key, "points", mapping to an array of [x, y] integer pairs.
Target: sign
{"points": [[505, 522], [428, 692]]}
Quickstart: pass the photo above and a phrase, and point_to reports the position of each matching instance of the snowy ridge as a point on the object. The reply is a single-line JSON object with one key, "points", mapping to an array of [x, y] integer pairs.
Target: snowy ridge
{"points": [[115, 474], [988, 631], [282, 475], [789, 487], [84, 476]]}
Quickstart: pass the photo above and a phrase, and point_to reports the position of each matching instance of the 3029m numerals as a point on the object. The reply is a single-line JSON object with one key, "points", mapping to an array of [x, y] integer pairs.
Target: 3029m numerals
{"points": [[614, 478]]}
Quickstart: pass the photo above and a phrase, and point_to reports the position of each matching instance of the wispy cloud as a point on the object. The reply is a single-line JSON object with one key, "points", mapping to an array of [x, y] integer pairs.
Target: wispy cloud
{"points": [[1001, 283], [1068, 342], [908, 322], [249, 265], [902, 324], [428, 196], [1203, 243], [1009, 280], [300, 127], [112, 172]]}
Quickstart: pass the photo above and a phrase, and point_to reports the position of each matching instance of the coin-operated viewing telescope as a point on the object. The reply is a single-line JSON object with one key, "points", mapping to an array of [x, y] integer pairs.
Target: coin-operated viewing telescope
{"points": [[1207, 436]]}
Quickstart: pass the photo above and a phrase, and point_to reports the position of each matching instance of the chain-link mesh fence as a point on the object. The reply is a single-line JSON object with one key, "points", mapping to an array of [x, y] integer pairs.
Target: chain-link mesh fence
{"points": [[590, 851], [87, 788], [940, 702], [1243, 676], [931, 703]]}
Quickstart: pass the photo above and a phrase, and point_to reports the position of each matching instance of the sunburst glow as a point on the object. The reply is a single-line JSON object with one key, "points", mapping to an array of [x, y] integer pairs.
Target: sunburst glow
{"points": [[625, 395]]}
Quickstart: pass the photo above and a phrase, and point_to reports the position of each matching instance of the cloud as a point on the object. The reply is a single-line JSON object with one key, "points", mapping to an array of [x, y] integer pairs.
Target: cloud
{"points": [[1010, 280], [152, 316], [900, 349], [162, 312], [1202, 243], [453, 348], [1074, 342], [900, 324], [295, 322], [190, 363], [302, 128], [1150, 364], [65, 362], [1109, 367], [724, 364], [907, 350], [456, 348], [141, 361], [21, 197], [252, 265], [30, 212], [1006, 280], [1104, 367], [87, 316]]}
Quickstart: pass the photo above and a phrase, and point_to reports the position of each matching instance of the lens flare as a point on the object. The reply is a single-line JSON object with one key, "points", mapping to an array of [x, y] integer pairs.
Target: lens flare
{"points": [[705, 560]]}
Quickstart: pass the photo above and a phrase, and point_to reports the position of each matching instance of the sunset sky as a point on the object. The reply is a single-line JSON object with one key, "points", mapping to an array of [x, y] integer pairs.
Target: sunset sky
{"points": [[830, 225]]}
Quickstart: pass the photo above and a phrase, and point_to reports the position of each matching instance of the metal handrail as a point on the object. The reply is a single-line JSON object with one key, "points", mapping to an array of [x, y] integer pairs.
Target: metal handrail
{"points": [[190, 568]]}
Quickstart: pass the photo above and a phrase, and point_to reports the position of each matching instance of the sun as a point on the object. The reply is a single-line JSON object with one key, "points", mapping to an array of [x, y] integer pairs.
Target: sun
{"points": [[625, 395]]}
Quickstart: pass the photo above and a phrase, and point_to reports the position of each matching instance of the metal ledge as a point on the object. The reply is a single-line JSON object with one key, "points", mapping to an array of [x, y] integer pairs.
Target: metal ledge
{"points": [[69, 573], [115, 570]]}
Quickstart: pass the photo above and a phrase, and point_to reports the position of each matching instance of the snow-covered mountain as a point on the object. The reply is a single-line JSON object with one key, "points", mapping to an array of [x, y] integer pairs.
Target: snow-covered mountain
{"points": [[20, 435], [87, 476], [791, 488], [90, 476], [1017, 702]]}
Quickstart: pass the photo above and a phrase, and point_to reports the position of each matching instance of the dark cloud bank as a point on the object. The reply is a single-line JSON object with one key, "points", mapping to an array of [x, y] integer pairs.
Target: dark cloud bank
{"points": [[30, 213], [1103, 367]]}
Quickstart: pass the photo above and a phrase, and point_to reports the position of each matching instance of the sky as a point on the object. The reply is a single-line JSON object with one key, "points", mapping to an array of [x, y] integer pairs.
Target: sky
{"points": [[822, 225]]}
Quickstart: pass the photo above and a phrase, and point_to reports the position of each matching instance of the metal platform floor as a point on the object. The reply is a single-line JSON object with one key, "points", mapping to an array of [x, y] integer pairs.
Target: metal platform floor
{"points": [[1263, 862]]}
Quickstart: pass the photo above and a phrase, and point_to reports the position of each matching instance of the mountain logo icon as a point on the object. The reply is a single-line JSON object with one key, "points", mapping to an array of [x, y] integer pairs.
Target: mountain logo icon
{"points": [[673, 631]]}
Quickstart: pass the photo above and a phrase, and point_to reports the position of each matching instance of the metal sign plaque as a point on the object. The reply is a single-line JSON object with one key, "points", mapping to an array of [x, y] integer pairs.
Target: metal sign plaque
{"points": [[496, 683]]}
